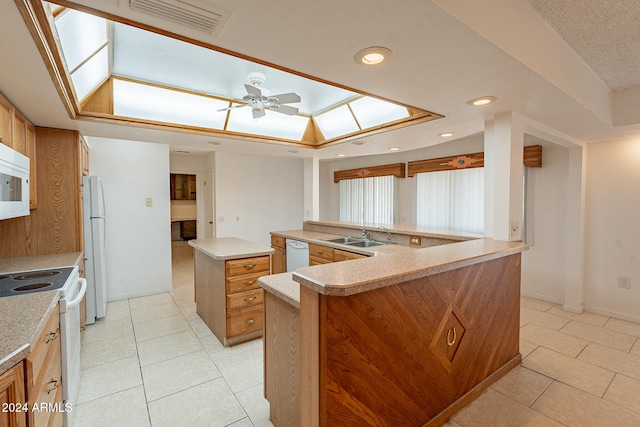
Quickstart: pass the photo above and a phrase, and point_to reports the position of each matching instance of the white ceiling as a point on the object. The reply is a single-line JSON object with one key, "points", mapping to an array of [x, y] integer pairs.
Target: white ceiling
{"points": [[445, 52]]}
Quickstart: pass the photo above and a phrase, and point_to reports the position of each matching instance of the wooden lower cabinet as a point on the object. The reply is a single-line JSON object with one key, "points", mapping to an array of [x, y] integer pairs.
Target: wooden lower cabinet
{"points": [[228, 297], [282, 360], [43, 373], [319, 254], [12, 413], [279, 257], [339, 255]]}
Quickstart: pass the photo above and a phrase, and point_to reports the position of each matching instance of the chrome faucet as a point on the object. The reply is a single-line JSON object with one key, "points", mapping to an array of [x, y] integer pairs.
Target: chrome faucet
{"points": [[365, 234], [388, 234]]}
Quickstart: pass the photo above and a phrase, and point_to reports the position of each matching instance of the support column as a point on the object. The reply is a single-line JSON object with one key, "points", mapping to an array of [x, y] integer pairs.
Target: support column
{"points": [[573, 291], [503, 153], [312, 189]]}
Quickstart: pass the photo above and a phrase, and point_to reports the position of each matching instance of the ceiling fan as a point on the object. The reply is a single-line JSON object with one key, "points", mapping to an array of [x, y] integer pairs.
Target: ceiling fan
{"points": [[259, 99]]}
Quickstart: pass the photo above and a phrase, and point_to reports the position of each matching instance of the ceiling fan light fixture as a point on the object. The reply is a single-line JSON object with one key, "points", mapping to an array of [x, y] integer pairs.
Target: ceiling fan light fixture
{"points": [[483, 100], [373, 55]]}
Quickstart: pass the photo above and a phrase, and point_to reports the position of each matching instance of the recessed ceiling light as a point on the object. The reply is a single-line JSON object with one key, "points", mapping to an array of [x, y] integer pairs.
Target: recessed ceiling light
{"points": [[373, 55], [446, 134], [358, 142], [214, 142], [394, 148], [293, 151], [483, 100], [340, 155], [183, 152]]}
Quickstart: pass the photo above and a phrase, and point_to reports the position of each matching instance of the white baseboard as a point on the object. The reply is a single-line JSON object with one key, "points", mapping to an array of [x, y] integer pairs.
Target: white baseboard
{"points": [[144, 293], [541, 297], [610, 313], [573, 309]]}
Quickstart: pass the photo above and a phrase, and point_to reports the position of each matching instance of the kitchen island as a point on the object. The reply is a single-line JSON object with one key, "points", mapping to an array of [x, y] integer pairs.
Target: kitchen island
{"points": [[228, 298], [400, 339]]}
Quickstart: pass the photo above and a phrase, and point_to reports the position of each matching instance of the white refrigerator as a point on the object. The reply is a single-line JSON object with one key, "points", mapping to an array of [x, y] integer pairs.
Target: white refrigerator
{"points": [[95, 247]]}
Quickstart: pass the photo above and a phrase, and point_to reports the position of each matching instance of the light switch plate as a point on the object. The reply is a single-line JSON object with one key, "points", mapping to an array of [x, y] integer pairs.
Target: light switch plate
{"points": [[149, 202]]}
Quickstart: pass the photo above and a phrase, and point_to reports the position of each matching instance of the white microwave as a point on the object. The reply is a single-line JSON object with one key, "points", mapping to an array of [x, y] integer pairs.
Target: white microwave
{"points": [[14, 183]]}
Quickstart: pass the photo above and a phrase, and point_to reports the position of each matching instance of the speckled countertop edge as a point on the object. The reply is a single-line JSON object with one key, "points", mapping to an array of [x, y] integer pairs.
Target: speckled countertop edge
{"points": [[282, 286], [229, 248], [365, 274], [23, 318]]}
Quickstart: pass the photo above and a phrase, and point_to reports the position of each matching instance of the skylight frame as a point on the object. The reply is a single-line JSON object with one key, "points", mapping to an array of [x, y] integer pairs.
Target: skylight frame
{"points": [[97, 106]]}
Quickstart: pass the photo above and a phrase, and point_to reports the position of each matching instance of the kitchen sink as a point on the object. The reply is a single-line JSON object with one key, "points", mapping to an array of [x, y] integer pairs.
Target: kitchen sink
{"points": [[345, 240], [366, 243]]}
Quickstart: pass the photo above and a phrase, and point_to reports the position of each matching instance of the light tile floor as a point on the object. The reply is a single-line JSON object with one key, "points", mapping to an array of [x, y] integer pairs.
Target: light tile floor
{"points": [[153, 362]]}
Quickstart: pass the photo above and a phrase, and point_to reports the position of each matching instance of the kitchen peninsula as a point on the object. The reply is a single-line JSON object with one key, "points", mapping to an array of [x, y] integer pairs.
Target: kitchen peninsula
{"points": [[228, 298], [399, 339]]}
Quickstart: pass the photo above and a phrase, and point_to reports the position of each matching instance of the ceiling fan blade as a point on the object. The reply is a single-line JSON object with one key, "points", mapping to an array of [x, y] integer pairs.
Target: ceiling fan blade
{"points": [[257, 113], [286, 98], [284, 109], [234, 106], [252, 90]]}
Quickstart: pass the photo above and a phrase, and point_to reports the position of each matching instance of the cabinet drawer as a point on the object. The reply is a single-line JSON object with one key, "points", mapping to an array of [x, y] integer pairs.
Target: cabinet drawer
{"points": [[244, 283], [278, 242], [238, 267], [244, 321], [49, 341], [244, 299], [48, 391], [339, 255], [323, 252]]}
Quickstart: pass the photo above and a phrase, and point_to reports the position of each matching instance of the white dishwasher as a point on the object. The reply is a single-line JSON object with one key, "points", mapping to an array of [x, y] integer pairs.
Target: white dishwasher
{"points": [[297, 254]]}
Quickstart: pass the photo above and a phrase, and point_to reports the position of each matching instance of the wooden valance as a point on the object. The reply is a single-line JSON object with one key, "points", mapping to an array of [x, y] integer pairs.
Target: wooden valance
{"points": [[532, 157], [395, 169]]}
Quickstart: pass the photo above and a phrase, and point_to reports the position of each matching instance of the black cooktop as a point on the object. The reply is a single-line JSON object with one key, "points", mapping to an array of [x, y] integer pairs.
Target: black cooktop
{"points": [[26, 282]]}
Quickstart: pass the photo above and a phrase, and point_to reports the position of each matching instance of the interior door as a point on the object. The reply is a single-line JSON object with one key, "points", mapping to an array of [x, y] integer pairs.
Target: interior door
{"points": [[209, 189]]}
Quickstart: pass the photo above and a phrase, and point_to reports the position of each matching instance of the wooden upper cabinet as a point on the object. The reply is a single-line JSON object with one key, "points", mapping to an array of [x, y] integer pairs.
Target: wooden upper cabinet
{"points": [[84, 156], [19, 133], [183, 187], [6, 122]]}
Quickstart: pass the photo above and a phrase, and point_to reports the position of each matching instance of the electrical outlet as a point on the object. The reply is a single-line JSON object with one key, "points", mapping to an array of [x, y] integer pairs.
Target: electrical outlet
{"points": [[220, 219], [624, 282], [415, 240], [515, 228], [148, 202]]}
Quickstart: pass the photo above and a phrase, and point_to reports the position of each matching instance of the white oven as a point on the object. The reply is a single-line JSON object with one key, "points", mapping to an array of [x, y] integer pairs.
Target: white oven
{"points": [[14, 183]]}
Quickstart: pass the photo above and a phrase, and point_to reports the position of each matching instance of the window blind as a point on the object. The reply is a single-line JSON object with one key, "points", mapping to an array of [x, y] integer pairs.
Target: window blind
{"points": [[371, 200]]}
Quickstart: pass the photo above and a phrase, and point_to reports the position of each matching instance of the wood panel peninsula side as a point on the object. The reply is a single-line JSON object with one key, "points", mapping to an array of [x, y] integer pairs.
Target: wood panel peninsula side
{"points": [[400, 339], [228, 298]]}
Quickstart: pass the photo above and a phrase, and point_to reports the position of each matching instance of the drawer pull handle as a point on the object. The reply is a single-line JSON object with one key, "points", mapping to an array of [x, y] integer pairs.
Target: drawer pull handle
{"points": [[451, 337], [320, 252], [250, 299], [54, 386], [251, 321], [249, 282], [248, 266], [50, 337]]}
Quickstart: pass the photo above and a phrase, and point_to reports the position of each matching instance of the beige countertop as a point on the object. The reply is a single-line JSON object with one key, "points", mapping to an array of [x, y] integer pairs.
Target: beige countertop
{"points": [[401, 229], [282, 286], [39, 262], [23, 317], [321, 239], [361, 275], [229, 248]]}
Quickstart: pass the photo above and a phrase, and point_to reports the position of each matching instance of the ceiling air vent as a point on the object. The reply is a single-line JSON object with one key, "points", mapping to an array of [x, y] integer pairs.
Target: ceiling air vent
{"points": [[196, 14]]}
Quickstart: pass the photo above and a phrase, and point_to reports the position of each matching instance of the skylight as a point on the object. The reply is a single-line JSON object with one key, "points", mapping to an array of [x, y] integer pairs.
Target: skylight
{"points": [[135, 75]]}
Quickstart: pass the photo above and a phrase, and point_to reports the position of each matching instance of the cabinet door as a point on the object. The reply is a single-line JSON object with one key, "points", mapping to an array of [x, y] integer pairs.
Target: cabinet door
{"points": [[19, 133], [278, 260], [84, 157], [12, 393], [6, 122]]}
